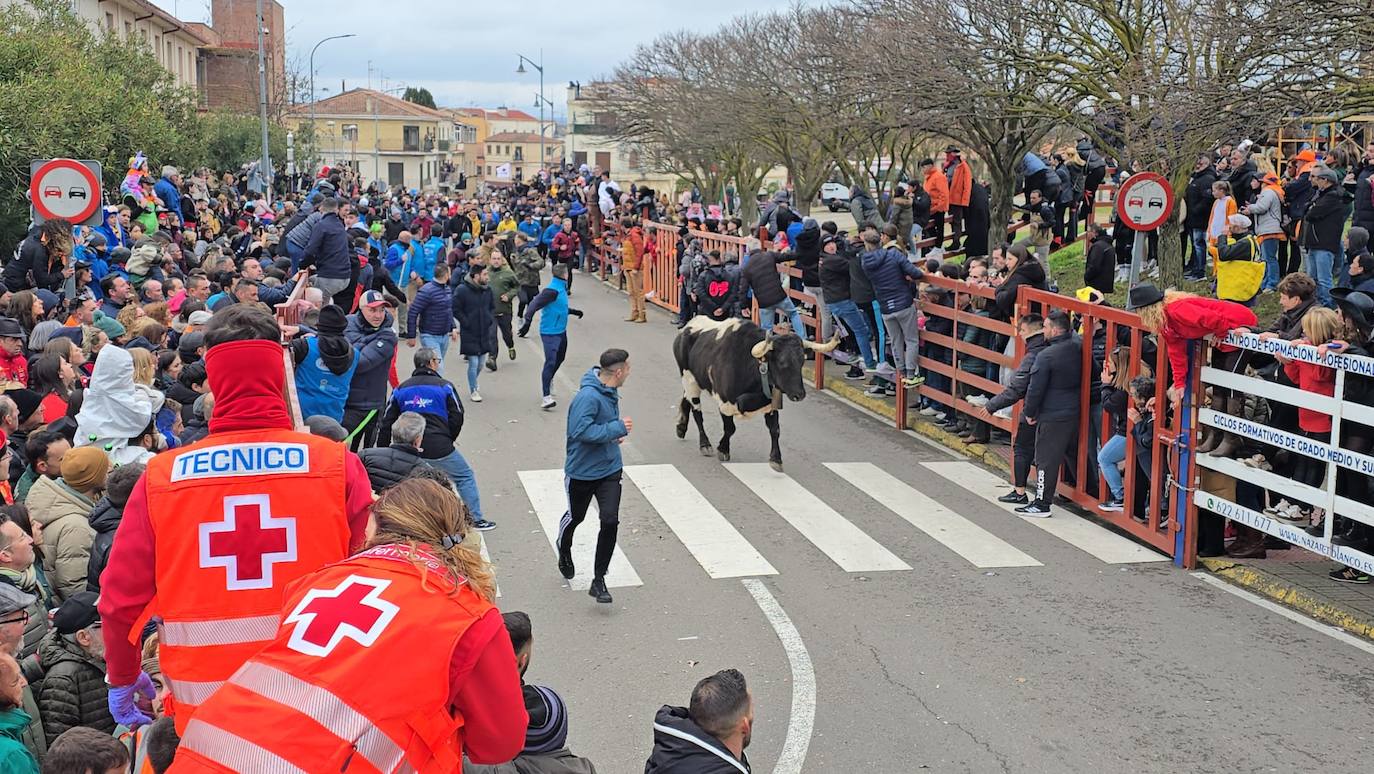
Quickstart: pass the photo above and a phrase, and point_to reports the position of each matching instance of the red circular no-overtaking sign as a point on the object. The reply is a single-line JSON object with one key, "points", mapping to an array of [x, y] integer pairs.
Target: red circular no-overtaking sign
{"points": [[64, 189], [1144, 201]]}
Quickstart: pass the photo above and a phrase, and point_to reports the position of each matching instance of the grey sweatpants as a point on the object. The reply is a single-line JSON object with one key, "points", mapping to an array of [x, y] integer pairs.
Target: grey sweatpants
{"points": [[904, 337]]}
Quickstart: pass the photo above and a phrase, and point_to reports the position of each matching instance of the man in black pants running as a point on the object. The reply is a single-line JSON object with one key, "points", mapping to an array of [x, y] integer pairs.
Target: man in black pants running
{"points": [[593, 467], [1052, 403]]}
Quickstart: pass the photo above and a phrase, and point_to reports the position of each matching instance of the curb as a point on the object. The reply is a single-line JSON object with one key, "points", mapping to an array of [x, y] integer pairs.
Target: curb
{"points": [[917, 424], [1279, 590]]}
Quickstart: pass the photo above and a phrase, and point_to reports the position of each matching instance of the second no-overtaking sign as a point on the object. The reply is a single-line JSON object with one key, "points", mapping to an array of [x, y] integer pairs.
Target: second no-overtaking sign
{"points": [[65, 189], [1145, 201]]}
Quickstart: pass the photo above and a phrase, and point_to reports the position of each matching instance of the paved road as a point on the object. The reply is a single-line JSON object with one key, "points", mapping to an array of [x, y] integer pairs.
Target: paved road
{"points": [[943, 633]]}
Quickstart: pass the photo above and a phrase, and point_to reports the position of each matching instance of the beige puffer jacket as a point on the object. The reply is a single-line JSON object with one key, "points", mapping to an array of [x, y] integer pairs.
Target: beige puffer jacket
{"points": [[67, 533]]}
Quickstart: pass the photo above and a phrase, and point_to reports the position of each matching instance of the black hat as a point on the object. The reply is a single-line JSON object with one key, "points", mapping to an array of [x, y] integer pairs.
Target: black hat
{"points": [[1357, 306], [332, 321], [189, 343], [120, 255], [77, 613], [26, 400], [952, 149], [96, 240], [548, 728], [1143, 295], [10, 328]]}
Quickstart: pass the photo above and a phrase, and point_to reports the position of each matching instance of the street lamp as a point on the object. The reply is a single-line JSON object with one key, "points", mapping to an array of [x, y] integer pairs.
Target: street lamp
{"points": [[520, 70], [540, 101], [312, 82]]}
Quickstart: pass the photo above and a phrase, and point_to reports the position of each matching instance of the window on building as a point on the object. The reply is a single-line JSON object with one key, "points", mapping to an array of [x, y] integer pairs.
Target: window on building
{"points": [[109, 22], [519, 153], [128, 30], [488, 170], [410, 138], [396, 172], [579, 158]]}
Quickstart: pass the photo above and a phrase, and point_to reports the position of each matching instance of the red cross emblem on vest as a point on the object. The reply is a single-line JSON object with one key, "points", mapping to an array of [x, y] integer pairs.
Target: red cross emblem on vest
{"points": [[248, 542], [353, 609]]}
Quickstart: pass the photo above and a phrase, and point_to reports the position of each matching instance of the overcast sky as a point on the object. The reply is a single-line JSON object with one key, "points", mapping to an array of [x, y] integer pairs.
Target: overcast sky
{"points": [[466, 53]]}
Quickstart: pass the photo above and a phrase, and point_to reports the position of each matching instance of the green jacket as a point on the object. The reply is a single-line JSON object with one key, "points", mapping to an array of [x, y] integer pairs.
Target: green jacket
{"points": [[15, 758], [21, 489], [503, 282], [526, 264]]}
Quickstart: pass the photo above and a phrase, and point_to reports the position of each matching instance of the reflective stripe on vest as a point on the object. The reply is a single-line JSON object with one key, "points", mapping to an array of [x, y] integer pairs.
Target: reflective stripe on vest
{"points": [[223, 631], [190, 692], [325, 708], [233, 751]]}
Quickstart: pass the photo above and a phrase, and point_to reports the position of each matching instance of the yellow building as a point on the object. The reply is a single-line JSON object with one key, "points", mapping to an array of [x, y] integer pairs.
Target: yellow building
{"points": [[381, 137], [513, 156]]}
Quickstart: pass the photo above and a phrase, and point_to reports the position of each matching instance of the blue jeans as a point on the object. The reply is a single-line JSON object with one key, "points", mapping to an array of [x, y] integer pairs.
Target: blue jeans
{"points": [[1269, 248], [1318, 265], [854, 322], [768, 314], [1197, 263], [915, 236], [474, 370], [1342, 269], [555, 349], [1111, 453], [460, 473], [294, 253], [436, 342]]}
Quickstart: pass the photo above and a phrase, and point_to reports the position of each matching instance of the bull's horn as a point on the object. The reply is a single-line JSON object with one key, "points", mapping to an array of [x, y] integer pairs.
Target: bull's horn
{"points": [[826, 347], [762, 348]]}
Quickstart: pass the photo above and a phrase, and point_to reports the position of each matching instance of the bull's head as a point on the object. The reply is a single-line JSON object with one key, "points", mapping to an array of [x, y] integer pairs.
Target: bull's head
{"points": [[785, 355]]}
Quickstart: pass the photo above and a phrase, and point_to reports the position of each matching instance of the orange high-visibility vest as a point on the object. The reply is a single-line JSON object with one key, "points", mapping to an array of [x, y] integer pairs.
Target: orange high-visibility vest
{"points": [[356, 680], [236, 517]]}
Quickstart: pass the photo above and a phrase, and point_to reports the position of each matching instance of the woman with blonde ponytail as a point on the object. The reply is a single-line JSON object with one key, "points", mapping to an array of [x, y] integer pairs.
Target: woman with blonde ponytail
{"points": [[394, 658]]}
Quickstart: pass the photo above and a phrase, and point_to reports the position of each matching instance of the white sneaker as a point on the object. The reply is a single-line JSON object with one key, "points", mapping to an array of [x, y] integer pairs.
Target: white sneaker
{"points": [[1003, 413], [929, 411], [978, 400], [548, 403], [1279, 507], [476, 396]]}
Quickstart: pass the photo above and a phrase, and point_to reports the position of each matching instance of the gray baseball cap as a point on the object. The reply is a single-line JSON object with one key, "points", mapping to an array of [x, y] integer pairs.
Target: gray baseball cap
{"points": [[13, 599]]}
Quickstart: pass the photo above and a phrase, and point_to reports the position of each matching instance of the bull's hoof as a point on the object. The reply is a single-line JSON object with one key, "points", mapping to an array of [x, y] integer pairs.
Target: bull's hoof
{"points": [[775, 465], [707, 451], [681, 431], [723, 456]]}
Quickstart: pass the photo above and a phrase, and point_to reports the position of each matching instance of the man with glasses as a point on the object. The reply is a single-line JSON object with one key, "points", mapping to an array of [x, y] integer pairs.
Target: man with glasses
{"points": [[14, 616], [73, 689], [16, 572]]}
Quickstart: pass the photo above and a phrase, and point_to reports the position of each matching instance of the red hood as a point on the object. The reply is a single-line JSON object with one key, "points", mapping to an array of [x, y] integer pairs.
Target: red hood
{"points": [[248, 380]]}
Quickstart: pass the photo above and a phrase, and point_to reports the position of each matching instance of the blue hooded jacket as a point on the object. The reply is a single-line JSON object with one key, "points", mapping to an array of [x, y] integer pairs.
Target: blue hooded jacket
{"points": [[594, 425], [550, 232], [530, 229]]}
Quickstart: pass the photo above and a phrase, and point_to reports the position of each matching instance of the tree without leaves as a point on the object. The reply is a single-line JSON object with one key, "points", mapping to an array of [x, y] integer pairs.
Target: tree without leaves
{"points": [[1161, 81], [965, 86], [668, 106]]}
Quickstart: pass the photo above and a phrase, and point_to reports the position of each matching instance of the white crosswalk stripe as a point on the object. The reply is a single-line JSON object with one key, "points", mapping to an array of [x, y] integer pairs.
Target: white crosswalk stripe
{"points": [[550, 500], [837, 537], [963, 537], [1072, 529], [720, 549]]}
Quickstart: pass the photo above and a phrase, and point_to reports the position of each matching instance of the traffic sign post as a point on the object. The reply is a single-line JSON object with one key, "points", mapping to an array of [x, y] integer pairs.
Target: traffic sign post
{"points": [[65, 189], [1143, 203]]}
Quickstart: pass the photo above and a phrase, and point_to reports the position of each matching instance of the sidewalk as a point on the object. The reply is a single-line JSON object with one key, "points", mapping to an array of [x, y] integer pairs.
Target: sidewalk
{"points": [[1292, 577]]}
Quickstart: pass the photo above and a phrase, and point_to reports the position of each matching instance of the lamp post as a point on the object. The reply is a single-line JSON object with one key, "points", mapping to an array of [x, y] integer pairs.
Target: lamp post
{"points": [[312, 83], [520, 70], [540, 101], [265, 165]]}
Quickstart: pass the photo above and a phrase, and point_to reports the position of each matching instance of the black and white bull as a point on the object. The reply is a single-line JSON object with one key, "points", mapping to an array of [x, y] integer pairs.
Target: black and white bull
{"points": [[746, 371]]}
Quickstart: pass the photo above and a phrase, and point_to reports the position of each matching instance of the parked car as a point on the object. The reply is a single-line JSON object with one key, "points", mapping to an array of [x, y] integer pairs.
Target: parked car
{"points": [[835, 196]]}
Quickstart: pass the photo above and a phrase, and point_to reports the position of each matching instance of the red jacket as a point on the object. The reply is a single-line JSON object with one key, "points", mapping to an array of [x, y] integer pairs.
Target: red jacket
{"points": [[249, 396], [1192, 318], [1316, 379], [15, 368], [565, 244]]}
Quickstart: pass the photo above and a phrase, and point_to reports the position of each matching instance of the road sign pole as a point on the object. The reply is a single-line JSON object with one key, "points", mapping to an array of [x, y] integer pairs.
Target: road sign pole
{"points": [[1139, 249]]}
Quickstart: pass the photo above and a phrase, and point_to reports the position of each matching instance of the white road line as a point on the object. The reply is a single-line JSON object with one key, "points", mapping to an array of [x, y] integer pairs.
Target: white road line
{"points": [[482, 541], [958, 534], [850, 547], [550, 501], [1330, 631], [803, 717], [1068, 527], [720, 549]]}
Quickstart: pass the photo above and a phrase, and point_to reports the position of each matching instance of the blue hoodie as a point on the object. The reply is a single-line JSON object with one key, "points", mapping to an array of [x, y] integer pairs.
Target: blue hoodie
{"points": [[550, 232], [594, 425]]}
